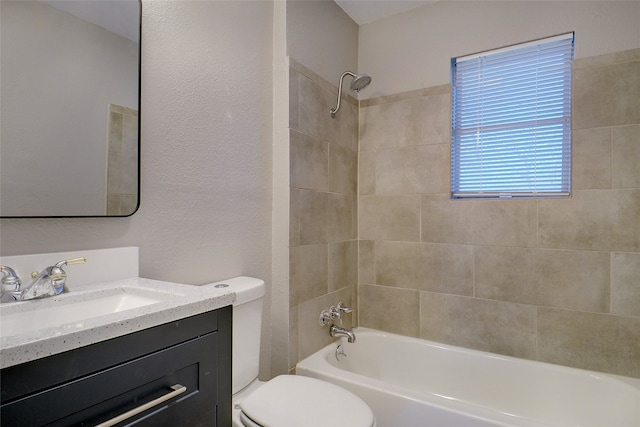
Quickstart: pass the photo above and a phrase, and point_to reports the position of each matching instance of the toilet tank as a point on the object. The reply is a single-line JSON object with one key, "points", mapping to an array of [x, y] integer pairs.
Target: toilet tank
{"points": [[247, 325]]}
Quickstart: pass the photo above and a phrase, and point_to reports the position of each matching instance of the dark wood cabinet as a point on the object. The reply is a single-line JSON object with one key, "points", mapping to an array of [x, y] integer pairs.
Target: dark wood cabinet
{"points": [[90, 385]]}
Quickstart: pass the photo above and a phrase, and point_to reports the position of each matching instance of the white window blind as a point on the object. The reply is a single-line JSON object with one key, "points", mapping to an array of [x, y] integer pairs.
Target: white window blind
{"points": [[512, 121]]}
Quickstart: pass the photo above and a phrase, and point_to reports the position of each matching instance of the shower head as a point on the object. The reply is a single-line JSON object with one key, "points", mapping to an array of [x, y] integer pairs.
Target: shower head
{"points": [[359, 82]]}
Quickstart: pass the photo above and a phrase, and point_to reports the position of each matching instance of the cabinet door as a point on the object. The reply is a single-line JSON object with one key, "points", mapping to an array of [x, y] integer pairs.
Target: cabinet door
{"points": [[99, 397]]}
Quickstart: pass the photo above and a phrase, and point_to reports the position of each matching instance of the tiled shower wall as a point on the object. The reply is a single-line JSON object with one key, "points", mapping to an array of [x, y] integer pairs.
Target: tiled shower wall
{"points": [[323, 266], [556, 280]]}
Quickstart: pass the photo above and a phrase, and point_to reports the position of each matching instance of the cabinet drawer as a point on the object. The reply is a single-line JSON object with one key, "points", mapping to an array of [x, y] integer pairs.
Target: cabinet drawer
{"points": [[103, 395], [25, 379]]}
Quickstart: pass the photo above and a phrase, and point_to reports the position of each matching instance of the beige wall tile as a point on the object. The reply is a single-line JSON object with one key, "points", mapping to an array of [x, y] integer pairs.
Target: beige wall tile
{"points": [[607, 59], [391, 125], [294, 217], [354, 306], [566, 279], [425, 266], [389, 309], [367, 172], [354, 217], [343, 170], [389, 218], [339, 218], [574, 279], [606, 96], [594, 341], [308, 272], [481, 222], [604, 220], [436, 125], [625, 283], [417, 169], [445, 268], [343, 264], [396, 264], [625, 156], [312, 214], [591, 158], [293, 336], [343, 129], [397, 97], [311, 335], [393, 171], [294, 99], [506, 273], [495, 326], [366, 260], [309, 162], [313, 109]]}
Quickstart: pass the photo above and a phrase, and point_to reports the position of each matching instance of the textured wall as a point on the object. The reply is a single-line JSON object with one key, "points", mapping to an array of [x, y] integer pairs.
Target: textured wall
{"points": [[206, 117], [546, 279]]}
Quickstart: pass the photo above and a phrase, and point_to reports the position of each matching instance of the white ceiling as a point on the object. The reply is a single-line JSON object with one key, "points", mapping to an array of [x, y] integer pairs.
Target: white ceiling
{"points": [[366, 11]]}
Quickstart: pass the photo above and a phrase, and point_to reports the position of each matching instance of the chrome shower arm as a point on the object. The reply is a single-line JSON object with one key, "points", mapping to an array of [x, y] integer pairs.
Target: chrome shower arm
{"points": [[335, 110]]}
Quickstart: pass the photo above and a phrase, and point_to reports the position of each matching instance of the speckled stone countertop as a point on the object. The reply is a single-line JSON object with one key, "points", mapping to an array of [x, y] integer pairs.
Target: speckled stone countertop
{"points": [[176, 302]]}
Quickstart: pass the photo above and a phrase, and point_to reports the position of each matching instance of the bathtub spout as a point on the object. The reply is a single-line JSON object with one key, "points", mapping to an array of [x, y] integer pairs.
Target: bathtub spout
{"points": [[337, 331]]}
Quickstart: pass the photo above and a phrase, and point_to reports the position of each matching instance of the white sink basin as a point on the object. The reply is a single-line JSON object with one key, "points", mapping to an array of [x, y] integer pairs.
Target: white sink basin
{"points": [[46, 313]]}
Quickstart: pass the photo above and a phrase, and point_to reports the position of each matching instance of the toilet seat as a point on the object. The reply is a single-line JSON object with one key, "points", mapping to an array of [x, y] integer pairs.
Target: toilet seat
{"points": [[293, 400]]}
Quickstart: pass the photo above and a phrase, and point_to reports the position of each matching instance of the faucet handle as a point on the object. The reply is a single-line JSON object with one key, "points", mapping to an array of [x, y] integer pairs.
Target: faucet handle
{"points": [[79, 260], [9, 277], [10, 282], [333, 313], [327, 316], [58, 276], [344, 309]]}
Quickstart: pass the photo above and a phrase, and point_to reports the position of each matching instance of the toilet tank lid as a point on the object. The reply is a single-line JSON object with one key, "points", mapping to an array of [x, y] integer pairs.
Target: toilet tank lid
{"points": [[246, 288]]}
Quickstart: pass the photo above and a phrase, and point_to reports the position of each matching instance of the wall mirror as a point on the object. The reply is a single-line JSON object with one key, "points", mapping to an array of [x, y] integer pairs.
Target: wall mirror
{"points": [[69, 98]]}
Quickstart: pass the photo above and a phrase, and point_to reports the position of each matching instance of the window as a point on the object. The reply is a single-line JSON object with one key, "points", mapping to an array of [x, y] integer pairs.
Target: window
{"points": [[512, 121]]}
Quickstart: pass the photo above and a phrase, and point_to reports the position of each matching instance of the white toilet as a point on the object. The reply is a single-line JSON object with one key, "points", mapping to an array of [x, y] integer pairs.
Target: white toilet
{"points": [[286, 400]]}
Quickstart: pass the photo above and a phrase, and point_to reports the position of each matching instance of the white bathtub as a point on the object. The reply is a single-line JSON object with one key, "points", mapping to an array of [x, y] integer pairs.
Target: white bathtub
{"points": [[412, 382]]}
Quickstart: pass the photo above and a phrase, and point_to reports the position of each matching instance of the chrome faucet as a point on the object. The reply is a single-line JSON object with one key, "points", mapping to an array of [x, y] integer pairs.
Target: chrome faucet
{"points": [[49, 282], [335, 313], [337, 331]]}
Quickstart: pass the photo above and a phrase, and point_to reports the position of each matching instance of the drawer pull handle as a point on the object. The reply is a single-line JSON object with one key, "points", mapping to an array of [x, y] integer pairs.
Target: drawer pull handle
{"points": [[177, 390]]}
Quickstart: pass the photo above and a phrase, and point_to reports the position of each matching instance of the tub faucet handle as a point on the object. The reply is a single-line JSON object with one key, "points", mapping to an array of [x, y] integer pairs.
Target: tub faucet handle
{"points": [[339, 310], [328, 316], [334, 313], [343, 309]]}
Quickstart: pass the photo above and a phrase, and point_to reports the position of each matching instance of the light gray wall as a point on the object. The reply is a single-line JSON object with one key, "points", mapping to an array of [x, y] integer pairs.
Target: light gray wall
{"points": [[205, 213], [322, 37]]}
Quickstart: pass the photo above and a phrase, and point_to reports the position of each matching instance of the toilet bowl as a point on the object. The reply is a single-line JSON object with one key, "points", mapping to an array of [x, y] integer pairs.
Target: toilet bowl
{"points": [[286, 400]]}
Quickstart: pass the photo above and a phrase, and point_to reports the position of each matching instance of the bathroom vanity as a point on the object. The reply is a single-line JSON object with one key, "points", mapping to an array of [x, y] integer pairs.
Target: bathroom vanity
{"points": [[160, 357], [93, 384]]}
